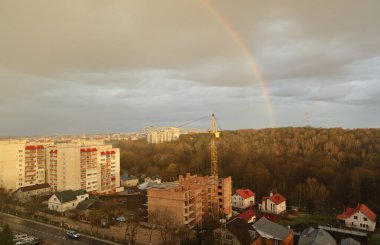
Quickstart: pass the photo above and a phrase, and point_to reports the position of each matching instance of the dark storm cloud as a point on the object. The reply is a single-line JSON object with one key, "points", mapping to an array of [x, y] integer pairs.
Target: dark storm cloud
{"points": [[92, 66]]}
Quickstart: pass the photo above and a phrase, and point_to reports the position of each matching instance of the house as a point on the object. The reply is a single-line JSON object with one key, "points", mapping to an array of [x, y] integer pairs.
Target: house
{"points": [[128, 180], [360, 217], [311, 236], [249, 215], [243, 198], [66, 200], [275, 204], [235, 232], [24, 194], [272, 233], [85, 208], [148, 181]]}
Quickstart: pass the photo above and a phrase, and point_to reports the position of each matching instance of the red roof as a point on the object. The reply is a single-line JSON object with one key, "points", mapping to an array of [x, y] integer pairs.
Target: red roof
{"points": [[112, 152], [103, 153], [276, 198], [30, 147], [40, 147], [94, 149], [247, 215], [360, 208], [108, 152], [245, 193], [82, 150]]}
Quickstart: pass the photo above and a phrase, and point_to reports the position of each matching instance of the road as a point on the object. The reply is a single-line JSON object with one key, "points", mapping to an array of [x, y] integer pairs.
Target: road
{"points": [[47, 233]]}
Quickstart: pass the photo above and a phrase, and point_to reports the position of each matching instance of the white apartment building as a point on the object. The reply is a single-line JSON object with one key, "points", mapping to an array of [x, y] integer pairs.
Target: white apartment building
{"points": [[162, 134], [76, 164], [12, 164], [84, 164], [21, 164]]}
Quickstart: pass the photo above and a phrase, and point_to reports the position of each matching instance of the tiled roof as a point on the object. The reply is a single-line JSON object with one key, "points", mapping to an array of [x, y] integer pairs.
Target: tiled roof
{"points": [[360, 208], [247, 215], [245, 193], [276, 198], [277, 231]]}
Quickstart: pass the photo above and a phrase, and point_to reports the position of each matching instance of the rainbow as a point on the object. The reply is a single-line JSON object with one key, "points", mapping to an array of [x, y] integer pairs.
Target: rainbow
{"points": [[247, 52]]}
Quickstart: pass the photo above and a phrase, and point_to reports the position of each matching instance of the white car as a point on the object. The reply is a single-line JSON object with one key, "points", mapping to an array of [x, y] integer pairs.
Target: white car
{"points": [[73, 234], [26, 240]]}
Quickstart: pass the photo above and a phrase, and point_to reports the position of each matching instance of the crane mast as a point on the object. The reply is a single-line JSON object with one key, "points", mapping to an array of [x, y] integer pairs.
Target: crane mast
{"points": [[214, 166]]}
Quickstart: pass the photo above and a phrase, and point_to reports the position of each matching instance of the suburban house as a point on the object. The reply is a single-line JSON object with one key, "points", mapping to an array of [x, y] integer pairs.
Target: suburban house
{"points": [[243, 198], [66, 200], [272, 233], [235, 232], [24, 194], [311, 236], [249, 215], [360, 217], [274, 204], [128, 180]]}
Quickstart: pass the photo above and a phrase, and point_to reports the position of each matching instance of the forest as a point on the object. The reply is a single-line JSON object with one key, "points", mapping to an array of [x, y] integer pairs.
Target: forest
{"points": [[318, 168]]}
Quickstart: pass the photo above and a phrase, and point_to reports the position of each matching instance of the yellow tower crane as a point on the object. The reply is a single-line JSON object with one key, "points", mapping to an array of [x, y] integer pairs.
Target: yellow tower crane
{"points": [[214, 166]]}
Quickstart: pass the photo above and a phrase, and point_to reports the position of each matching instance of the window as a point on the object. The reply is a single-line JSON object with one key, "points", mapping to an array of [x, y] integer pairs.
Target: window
{"points": [[365, 219], [355, 217]]}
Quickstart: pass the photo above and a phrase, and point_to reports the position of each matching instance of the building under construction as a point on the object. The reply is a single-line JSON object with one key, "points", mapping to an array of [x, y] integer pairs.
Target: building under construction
{"points": [[189, 201]]}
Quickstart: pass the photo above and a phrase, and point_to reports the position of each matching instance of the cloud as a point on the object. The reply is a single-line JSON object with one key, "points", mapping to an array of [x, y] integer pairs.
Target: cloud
{"points": [[92, 66]]}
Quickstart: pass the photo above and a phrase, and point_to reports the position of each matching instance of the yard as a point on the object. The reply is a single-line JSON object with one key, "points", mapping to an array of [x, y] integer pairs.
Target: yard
{"points": [[301, 220]]}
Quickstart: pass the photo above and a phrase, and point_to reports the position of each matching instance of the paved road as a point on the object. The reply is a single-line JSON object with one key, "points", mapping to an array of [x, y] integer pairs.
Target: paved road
{"points": [[47, 233]]}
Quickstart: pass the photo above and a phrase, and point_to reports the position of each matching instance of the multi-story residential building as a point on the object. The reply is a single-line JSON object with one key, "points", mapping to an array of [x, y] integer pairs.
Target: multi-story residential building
{"points": [[274, 204], [82, 164], [12, 164], [360, 217], [73, 164], [189, 199], [158, 135], [243, 198]]}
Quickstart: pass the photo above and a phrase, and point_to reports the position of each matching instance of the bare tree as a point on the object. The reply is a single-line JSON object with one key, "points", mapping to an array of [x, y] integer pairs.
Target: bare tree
{"points": [[132, 226], [165, 222]]}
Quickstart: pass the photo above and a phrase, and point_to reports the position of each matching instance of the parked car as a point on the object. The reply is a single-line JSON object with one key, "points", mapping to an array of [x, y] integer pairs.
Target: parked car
{"points": [[19, 237], [26, 241], [73, 234], [120, 219]]}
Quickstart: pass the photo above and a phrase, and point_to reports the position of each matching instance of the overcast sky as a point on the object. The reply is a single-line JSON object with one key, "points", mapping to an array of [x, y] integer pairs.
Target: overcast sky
{"points": [[116, 66]]}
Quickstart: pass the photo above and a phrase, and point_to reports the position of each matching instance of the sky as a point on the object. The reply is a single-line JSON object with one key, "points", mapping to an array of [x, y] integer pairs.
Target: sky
{"points": [[92, 66]]}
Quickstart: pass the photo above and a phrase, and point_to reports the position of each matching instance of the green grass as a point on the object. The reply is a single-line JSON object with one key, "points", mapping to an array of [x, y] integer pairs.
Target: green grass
{"points": [[303, 218], [374, 239]]}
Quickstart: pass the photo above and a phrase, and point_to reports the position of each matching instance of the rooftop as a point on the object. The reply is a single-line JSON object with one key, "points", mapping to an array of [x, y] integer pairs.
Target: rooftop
{"points": [[311, 236], [360, 208], [33, 187], [69, 195], [277, 231]]}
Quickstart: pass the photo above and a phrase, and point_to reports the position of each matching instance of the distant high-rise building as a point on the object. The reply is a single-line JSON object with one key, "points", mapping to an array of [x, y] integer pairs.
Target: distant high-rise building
{"points": [[162, 134], [307, 119]]}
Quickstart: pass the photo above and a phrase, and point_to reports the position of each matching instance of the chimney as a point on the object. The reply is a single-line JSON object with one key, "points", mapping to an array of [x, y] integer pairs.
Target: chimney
{"points": [[270, 194]]}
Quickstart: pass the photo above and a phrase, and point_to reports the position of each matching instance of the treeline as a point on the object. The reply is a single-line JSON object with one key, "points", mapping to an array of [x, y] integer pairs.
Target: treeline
{"points": [[318, 168]]}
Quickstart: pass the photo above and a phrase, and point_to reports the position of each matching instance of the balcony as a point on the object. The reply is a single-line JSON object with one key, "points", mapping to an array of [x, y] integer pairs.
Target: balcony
{"points": [[188, 221]]}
